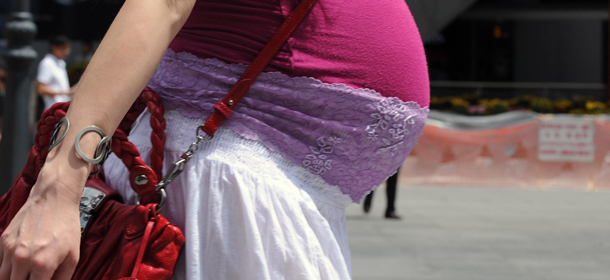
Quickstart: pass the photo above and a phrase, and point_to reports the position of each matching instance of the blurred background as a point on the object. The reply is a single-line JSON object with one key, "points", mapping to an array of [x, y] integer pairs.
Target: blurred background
{"points": [[555, 50], [510, 177]]}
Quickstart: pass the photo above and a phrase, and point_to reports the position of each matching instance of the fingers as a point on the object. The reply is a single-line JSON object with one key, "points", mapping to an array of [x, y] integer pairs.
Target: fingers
{"points": [[35, 269], [46, 266], [7, 247], [42, 275], [5, 268], [21, 264], [66, 269], [18, 263], [1, 251], [42, 267]]}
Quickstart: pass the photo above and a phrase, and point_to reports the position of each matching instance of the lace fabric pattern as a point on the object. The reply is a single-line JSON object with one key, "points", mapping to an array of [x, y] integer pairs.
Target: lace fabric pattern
{"points": [[352, 138]]}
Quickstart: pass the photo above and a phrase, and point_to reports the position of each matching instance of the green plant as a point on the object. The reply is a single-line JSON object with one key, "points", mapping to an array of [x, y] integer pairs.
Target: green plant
{"points": [[460, 106], [541, 105], [562, 106], [75, 71], [498, 106]]}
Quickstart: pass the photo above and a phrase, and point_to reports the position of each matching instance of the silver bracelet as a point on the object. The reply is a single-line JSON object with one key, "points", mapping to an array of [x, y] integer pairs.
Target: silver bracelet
{"points": [[101, 152], [54, 141]]}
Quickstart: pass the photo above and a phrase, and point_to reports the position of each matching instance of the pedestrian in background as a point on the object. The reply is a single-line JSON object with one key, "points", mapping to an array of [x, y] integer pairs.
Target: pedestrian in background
{"points": [[52, 78], [391, 186]]}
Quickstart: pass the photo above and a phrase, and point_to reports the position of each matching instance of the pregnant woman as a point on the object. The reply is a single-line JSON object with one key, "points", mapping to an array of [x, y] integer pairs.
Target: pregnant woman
{"points": [[335, 114]]}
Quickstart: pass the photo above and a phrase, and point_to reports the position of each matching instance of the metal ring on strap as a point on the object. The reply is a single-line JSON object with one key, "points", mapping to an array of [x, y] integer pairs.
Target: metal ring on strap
{"points": [[101, 152], [162, 200], [54, 141], [203, 137]]}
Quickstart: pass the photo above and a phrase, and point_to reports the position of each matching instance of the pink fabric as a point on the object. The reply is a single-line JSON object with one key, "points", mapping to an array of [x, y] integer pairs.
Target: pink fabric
{"points": [[360, 43]]}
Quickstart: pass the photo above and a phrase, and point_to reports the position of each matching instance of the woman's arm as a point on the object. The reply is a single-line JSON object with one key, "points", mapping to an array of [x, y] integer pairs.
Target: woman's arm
{"points": [[121, 67], [42, 90], [42, 241]]}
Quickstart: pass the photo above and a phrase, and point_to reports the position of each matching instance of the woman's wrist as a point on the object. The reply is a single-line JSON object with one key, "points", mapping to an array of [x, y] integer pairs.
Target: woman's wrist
{"points": [[60, 180], [64, 172], [87, 142], [76, 149], [64, 169]]}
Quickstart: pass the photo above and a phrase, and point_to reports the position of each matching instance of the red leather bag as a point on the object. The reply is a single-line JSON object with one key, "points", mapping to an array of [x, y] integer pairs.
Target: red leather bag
{"points": [[121, 241], [118, 241]]}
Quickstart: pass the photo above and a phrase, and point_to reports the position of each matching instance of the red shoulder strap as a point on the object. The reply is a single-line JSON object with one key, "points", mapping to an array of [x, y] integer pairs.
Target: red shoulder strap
{"points": [[224, 108]]}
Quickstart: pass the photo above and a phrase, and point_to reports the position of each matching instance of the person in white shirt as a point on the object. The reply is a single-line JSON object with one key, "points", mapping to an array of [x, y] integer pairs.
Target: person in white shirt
{"points": [[52, 79]]}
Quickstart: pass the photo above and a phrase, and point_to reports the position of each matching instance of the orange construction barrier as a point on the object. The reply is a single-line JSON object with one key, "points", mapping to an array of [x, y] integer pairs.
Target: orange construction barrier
{"points": [[544, 152]]}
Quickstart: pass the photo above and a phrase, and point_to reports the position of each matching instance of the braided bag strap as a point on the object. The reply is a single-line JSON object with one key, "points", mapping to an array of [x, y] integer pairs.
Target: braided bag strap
{"points": [[121, 146], [44, 129], [125, 150], [158, 124], [142, 178]]}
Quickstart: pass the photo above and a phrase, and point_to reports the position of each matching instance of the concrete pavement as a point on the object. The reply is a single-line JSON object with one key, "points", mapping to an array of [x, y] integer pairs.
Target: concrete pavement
{"points": [[460, 233]]}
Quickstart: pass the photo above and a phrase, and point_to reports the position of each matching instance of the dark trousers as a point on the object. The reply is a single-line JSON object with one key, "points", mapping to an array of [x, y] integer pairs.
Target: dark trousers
{"points": [[390, 190]]}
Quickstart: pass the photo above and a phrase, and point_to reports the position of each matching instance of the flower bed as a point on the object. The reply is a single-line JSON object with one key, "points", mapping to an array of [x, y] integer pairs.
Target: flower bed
{"points": [[473, 105]]}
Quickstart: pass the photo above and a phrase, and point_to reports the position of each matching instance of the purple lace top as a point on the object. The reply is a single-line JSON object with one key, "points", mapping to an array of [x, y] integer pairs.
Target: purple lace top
{"points": [[353, 139]]}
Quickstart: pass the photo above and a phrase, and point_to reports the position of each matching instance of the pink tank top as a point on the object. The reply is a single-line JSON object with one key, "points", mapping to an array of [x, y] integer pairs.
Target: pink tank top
{"points": [[360, 43]]}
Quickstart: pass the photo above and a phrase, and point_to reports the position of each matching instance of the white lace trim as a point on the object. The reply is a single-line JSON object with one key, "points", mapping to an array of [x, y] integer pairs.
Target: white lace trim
{"points": [[249, 154]]}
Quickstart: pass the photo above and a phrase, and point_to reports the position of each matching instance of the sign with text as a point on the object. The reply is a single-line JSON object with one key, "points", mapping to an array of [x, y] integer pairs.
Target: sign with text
{"points": [[566, 140]]}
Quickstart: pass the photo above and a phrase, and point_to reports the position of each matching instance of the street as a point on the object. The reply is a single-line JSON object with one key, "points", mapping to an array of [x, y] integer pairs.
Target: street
{"points": [[461, 233]]}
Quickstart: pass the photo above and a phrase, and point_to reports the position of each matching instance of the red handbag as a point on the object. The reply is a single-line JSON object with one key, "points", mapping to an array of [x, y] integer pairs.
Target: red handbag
{"points": [[121, 241]]}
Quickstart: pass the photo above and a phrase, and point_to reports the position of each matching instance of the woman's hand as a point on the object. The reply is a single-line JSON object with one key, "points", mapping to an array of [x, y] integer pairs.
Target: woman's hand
{"points": [[43, 240]]}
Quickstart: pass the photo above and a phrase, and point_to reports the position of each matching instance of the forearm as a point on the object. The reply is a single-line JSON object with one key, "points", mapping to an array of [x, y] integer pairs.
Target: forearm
{"points": [[44, 90], [125, 61], [119, 70]]}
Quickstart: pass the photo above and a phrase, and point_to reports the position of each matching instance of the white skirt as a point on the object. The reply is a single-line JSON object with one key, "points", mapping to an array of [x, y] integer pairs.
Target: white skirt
{"points": [[246, 212]]}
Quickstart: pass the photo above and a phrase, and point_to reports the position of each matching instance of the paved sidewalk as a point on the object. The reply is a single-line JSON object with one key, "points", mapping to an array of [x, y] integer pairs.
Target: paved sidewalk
{"points": [[458, 233]]}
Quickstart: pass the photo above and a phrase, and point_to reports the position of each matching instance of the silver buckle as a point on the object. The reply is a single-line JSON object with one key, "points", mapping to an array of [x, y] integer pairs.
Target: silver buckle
{"points": [[90, 200]]}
